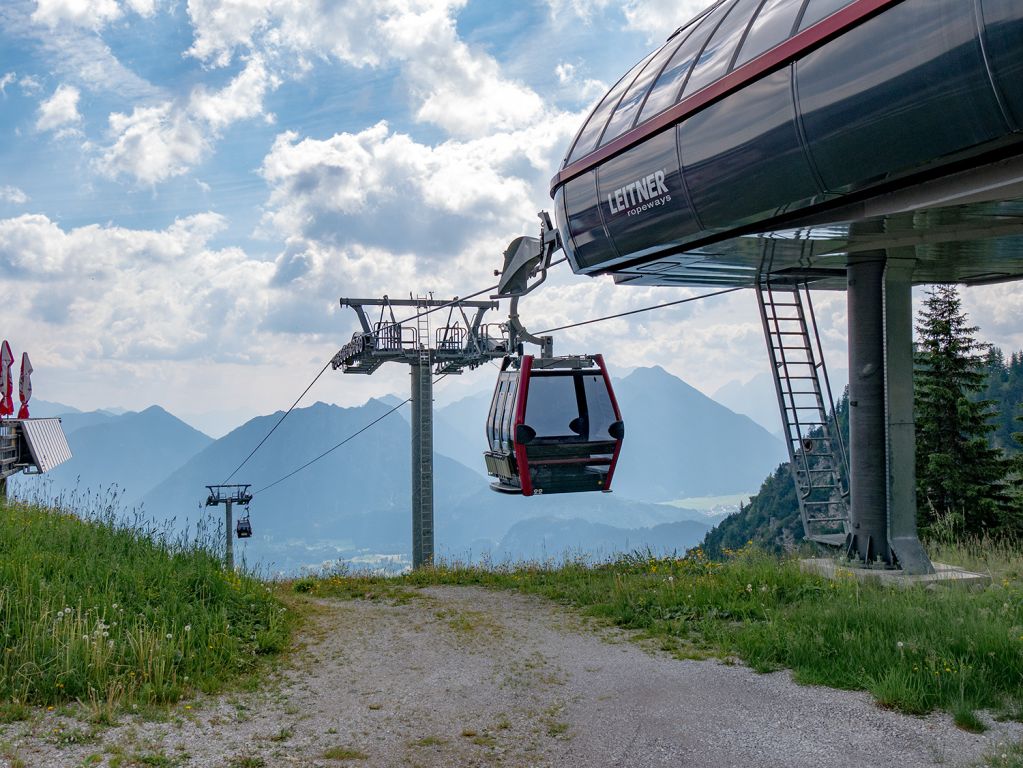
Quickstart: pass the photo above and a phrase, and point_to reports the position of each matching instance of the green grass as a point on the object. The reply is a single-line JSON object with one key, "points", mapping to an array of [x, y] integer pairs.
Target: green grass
{"points": [[344, 753], [915, 650], [108, 614]]}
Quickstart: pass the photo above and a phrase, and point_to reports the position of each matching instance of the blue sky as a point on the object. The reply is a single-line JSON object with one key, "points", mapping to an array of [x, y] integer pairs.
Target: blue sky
{"points": [[188, 186]]}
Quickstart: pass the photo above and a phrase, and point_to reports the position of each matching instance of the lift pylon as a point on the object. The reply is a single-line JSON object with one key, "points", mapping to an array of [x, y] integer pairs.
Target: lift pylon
{"points": [[228, 495], [463, 341]]}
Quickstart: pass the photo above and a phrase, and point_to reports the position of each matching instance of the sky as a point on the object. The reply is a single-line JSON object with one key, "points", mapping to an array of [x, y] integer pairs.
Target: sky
{"points": [[187, 188]]}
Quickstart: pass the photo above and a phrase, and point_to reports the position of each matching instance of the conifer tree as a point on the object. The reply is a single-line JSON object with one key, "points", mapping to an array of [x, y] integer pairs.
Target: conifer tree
{"points": [[961, 478]]}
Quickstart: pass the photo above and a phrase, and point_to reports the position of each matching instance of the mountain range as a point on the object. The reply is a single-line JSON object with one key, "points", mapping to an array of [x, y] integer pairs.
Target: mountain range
{"points": [[353, 503]]}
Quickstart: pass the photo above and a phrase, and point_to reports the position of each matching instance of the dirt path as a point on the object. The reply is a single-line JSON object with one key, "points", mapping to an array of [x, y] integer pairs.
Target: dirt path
{"points": [[468, 677]]}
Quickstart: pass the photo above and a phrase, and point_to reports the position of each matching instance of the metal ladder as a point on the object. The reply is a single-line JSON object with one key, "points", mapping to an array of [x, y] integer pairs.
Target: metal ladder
{"points": [[817, 453], [423, 530]]}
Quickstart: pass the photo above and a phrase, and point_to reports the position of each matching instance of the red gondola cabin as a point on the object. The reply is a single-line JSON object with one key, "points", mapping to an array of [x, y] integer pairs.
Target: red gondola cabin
{"points": [[554, 426]]}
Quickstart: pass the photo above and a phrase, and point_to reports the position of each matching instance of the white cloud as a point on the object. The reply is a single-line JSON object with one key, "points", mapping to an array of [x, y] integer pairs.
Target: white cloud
{"points": [[155, 143], [60, 110], [89, 14], [142, 7], [9, 78], [655, 18], [81, 13], [576, 9], [152, 144], [659, 18], [452, 200], [13, 195], [452, 85], [241, 99], [135, 294]]}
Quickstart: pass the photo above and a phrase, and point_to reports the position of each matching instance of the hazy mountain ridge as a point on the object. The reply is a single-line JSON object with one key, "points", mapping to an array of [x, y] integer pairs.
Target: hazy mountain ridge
{"points": [[356, 499], [543, 538], [132, 451]]}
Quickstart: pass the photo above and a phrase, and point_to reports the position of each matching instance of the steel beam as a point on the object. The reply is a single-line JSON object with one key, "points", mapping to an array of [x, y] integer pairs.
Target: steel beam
{"points": [[229, 540], [422, 463]]}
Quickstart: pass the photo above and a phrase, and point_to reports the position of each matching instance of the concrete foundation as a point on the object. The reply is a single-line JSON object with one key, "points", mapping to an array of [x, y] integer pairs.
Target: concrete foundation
{"points": [[941, 574]]}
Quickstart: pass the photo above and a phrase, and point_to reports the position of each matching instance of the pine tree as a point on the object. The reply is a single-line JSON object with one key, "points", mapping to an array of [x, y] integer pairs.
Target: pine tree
{"points": [[961, 478]]}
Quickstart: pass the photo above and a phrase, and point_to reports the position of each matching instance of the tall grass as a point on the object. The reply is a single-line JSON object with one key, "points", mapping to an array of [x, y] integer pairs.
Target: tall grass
{"points": [[101, 609], [914, 649]]}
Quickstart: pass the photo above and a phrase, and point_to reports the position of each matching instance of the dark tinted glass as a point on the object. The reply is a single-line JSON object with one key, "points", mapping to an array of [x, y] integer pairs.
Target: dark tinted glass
{"points": [[587, 140], [879, 102], [600, 414], [627, 111], [643, 203], [665, 91], [591, 244], [820, 9], [508, 417], [753, 128], [717, 55], [772, 25], [561, 220], [1003, 33], [551, 405], [492, 428]]}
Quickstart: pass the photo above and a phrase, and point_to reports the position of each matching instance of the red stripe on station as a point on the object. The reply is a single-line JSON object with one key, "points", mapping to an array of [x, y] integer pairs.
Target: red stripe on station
{"points": [[795, 47]]}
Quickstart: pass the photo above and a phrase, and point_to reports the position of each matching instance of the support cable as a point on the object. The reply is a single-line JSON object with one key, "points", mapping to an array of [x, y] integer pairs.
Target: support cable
{"points": [[281, 419], [454, 302], [638, 311], [338, 445], [430, 310]]}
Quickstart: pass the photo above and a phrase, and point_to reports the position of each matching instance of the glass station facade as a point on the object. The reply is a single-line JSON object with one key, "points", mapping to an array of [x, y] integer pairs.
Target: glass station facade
{"points": [[757, 109]]}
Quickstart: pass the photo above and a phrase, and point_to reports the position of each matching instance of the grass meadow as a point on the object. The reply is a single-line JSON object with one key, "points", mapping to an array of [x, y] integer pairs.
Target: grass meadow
{"points": [[111, 614], [916, 650]]}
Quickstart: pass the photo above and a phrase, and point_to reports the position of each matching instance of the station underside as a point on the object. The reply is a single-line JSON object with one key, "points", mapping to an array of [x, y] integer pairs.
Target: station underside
{"points": [[966, 228]]}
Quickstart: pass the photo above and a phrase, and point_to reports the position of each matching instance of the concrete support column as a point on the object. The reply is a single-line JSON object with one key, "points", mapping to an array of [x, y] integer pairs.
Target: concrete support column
{"points": [[868, 470], [898, 319]]}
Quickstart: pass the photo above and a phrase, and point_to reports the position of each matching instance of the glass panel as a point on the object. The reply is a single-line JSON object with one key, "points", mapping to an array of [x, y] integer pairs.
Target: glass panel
{"points": [[877, 102], [717, 55], [820, 9], [588, 136], [665, 91], [642, 199], [772, 26], [742, 157], [592, 248], [492, 414], [552, 405], [625, 115], [1003, 29], [599, 412], [511, 395]]}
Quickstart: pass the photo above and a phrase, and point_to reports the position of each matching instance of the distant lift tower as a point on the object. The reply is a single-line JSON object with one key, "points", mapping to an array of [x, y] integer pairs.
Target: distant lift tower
{"points": [[460, 343], [228, 495]]}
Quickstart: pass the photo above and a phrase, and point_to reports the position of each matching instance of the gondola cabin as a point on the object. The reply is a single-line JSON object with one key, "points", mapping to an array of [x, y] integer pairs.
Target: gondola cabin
{"points": [[554, 426], [243, 529]]}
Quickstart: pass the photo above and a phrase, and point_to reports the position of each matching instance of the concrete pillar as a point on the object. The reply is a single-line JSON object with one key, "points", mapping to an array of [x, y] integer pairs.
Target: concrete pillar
{"points": [[868, 471], [898, 319]]}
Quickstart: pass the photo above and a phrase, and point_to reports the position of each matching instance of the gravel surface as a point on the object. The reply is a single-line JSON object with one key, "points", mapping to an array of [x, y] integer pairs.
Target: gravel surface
{"points": [[469, 677]]}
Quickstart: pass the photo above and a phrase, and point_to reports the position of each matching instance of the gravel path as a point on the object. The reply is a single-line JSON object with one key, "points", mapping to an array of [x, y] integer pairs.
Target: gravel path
{"points": [[468, 677]]}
